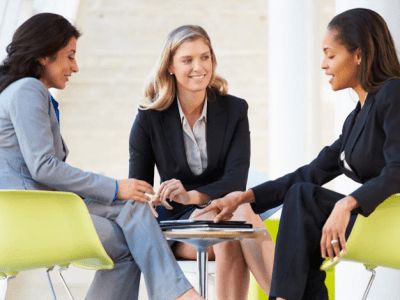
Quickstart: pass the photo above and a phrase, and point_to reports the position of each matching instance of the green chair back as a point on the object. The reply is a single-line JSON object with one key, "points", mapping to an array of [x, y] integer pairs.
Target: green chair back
{"points": [[42, 229]]}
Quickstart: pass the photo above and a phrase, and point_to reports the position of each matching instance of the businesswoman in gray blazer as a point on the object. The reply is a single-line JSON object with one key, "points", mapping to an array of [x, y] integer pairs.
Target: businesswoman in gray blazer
{"points": [[359, 53], [33, 153], [198, 137]]}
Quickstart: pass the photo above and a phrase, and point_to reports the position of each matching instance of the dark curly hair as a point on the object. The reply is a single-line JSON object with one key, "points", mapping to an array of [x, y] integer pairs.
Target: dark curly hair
{"points": [[364, 29], [42, 35]]}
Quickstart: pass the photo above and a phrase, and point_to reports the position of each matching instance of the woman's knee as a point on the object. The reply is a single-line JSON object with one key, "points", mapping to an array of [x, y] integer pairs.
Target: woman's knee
{"points": [[244, 212], [302, 191], [302, 186], [112, 239], [230, 249]]}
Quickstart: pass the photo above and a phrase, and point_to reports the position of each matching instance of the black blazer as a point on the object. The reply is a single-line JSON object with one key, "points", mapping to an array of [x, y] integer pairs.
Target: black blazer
{"points": [[157, 139], [370, 143]]}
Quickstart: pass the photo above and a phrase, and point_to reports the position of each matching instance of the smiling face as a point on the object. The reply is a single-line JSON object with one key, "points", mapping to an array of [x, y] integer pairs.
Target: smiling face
{"points": [[192, 66], [56, 71], [339, 63]]}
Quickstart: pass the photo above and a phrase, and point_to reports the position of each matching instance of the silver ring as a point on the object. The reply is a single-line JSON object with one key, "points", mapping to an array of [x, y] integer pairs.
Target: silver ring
{"points": [[334, 241]]}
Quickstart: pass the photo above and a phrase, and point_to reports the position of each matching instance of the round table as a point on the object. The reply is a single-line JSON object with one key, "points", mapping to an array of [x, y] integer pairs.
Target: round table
{"points": [[202, 239]]}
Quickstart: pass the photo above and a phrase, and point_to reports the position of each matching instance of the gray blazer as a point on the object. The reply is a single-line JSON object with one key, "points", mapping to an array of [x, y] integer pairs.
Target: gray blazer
{"points": [[32, 151]]}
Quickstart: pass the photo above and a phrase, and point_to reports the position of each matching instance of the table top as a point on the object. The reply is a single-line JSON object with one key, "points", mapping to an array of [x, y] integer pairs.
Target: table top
{"points": [[220, 233]]}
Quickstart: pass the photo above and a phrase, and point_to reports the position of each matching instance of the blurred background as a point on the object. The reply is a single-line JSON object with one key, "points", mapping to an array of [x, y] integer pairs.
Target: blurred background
{"points": [[270, 53]]}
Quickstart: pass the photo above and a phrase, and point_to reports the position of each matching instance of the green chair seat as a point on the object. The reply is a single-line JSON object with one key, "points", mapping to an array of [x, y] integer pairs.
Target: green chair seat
{"points": [[43, 229]]}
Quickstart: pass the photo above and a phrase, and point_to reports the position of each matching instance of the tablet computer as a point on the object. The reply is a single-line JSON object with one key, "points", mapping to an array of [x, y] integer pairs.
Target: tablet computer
{"points": [[201, 224]]}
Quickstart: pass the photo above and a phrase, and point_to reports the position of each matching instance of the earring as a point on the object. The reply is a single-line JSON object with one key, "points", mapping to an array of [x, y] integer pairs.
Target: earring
{"points": [[358, 63], [171, 74]]}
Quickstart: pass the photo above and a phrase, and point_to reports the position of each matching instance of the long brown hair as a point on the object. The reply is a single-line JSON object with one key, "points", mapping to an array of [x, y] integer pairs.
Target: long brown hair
{"points": [[366, 30], [160, 88], [42, 35]]}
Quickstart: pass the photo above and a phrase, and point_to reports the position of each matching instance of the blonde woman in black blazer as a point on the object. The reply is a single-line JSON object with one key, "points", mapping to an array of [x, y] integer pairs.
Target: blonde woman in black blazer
{"points": [[359, 53], [198, 137]]}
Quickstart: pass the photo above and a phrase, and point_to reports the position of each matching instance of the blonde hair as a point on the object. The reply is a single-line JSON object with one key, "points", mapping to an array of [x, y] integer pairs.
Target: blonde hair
{"points": [[160, 88]]}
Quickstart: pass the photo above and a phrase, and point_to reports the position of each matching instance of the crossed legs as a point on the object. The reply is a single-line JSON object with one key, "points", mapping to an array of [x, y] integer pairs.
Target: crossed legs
{"points": [[131, 236]]}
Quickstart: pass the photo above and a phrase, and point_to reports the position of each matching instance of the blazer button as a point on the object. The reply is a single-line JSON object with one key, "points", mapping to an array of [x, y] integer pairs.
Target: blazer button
{"points": [[342, 156]]}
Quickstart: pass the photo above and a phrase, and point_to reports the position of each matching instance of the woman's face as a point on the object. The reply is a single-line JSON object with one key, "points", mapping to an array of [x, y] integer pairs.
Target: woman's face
{"points": [[339, 63], [192, 65], [57, 71]]}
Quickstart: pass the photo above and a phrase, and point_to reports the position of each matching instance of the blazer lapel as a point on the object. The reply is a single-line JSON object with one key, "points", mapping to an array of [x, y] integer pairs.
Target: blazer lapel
{"points": [[358, 127], [216, 125], [172, 127], [348, 126]]}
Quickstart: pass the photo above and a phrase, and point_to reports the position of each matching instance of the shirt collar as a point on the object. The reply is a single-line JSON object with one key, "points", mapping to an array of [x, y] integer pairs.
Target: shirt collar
{"points": [[203, 113]]}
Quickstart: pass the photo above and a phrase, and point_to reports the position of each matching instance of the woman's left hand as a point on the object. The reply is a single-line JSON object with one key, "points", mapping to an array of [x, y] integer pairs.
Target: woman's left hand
{"points": [[174, 190], [333, 232]]}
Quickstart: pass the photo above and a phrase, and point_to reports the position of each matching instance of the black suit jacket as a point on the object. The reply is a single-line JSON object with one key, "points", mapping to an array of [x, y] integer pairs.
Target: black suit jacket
{"points": [[370, 143], [157, 139]]}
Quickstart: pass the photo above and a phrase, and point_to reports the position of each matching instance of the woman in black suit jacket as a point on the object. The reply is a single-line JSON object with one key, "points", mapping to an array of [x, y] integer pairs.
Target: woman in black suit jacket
{"points": [[359, 53], [199, 139]]}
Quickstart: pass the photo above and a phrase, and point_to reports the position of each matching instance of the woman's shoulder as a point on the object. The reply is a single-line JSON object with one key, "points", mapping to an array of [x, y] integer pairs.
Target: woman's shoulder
{"points": [[29, 82], [388, 96], [389, 89], [390, 85], [150, 113], [22, 88], [26, 85], [149, 116], [232, 101]]}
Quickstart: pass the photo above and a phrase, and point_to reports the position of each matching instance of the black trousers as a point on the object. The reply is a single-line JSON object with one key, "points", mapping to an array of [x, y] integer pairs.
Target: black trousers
{"points": [[296, 273]]}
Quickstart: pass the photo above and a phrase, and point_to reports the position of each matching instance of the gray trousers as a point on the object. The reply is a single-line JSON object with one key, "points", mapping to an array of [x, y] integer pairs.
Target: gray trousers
{"points": [[133, 239]]}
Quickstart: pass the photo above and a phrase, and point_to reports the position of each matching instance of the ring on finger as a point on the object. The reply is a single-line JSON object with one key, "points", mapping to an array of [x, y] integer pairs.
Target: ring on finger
{"points": [[334, 241]]}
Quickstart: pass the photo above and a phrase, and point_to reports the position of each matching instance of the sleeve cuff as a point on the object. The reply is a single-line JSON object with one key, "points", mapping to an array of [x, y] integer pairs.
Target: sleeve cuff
{"points": [[116, 190]]}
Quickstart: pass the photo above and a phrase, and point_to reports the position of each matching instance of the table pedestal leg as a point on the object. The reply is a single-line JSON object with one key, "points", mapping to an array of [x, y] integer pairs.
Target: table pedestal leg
{"points": [[202, 244], [202, 259]]}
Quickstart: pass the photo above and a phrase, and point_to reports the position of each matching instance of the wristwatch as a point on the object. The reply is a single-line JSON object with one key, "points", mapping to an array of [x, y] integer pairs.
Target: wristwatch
{"points": [[201, 206]]}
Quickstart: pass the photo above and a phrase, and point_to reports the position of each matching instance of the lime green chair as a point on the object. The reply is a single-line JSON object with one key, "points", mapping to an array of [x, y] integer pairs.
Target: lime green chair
{"points": [[375, 240], [42, 229]]}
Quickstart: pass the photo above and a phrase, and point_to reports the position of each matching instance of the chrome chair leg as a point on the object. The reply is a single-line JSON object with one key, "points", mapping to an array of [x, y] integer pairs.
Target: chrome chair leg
{"points": [[369, 283], [4, 285], [50, 283], [63, 281]]}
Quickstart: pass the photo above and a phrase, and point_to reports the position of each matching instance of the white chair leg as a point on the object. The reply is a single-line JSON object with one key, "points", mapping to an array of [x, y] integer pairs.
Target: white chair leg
{"points": [[369, 283], [4, 285], [50, 283], [63, 281]]}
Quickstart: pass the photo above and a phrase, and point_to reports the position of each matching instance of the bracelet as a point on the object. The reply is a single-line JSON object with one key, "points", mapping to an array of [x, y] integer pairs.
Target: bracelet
{"points": [[201, 206]]}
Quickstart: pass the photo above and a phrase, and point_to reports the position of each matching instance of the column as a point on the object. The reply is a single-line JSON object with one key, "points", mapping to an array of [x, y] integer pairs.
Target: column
{"points": [[67, 9], [9, 13], [352, 278], [293, 44]]}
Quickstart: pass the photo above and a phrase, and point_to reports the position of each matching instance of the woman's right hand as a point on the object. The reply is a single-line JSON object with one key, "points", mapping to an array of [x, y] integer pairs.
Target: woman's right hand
{"points": [[134, 189], [222, 208]]}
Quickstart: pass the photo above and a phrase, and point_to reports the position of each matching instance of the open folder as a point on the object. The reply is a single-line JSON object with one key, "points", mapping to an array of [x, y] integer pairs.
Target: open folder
{"points": [[202, 224]]}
